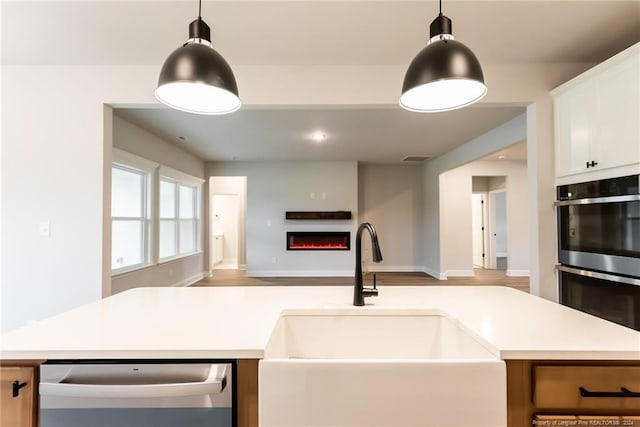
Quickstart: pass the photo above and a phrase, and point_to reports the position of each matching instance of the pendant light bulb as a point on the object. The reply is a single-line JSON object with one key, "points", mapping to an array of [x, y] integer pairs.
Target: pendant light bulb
{"points": [[197, 79], [445, 75]]}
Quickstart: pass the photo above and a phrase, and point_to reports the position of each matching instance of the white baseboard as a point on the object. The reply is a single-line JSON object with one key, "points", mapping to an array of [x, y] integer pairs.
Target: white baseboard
{"points": [[460, 273], [193, 279], [435, 274], [518, 273], [374, 268], [299, 273], [501, 254]]}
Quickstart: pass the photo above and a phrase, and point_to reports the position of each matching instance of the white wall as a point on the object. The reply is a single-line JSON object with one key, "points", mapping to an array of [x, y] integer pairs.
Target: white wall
{"points": [[133, 139], [276, 187], [455, 210], [55, 125], [391, 198], [53, 164]]}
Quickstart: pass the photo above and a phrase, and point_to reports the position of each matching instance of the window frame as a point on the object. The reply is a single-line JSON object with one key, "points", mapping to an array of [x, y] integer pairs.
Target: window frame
{"points": [[179, 179], [146, 169]]}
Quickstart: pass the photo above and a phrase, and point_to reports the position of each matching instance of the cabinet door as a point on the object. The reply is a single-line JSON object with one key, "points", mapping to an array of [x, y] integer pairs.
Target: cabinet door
{"points": [[17, 411], [618, 138], [575, 128]]}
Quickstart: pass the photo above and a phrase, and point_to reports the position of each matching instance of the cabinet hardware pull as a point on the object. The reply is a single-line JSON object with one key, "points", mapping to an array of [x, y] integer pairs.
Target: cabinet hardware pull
{"points": [[592, 164], [624, 392], [16, 386]]}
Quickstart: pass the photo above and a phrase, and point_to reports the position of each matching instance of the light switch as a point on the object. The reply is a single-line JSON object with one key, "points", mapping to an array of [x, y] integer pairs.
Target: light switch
{"points": [[45, 228], [312, 195]]}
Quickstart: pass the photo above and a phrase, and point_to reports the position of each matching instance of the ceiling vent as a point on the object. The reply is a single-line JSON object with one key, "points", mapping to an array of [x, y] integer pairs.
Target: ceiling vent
{"points": [[416, 159]]}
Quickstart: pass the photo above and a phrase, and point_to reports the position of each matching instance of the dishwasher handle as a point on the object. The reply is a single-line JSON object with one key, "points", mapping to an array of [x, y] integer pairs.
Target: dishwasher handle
{"points": [[212, 385]]}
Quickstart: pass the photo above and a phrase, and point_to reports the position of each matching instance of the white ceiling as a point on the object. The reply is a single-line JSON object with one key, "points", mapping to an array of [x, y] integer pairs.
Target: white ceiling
{"points": [[384, 134], [310, 33], [346, 32]]}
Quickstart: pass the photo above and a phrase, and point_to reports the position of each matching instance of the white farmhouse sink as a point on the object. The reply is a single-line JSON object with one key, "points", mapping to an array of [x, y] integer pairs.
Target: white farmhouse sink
{"points": [[378, 368]]}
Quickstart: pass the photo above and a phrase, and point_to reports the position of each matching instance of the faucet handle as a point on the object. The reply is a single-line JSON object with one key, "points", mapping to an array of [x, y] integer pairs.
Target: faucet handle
{"points": [[370, 292]]}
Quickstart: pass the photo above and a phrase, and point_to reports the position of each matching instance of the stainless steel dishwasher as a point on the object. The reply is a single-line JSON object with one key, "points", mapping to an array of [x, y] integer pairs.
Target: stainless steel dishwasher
{"points": [[137, 393]]}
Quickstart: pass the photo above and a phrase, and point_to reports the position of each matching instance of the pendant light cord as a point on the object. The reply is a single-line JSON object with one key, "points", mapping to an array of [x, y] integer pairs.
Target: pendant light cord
{"points": [[440, 7], [200, 8]]}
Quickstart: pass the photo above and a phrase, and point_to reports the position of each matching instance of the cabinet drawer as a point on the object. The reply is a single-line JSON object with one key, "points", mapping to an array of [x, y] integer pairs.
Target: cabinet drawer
{"points": [[559, 387], [17, 411]]}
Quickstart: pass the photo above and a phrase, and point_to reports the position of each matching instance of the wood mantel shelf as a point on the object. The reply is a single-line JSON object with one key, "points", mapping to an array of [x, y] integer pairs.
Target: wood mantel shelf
{"points": [[311, 215]]}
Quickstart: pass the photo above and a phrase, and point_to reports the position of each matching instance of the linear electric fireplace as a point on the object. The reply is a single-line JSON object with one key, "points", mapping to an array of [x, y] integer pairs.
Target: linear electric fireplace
{"points": [[318, 240]]}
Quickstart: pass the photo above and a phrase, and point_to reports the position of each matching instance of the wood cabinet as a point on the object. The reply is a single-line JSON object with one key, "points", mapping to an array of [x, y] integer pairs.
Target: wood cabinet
{"points": [[596, 118], [247, 394], [586, 387], [587, 393], [18, 394]]}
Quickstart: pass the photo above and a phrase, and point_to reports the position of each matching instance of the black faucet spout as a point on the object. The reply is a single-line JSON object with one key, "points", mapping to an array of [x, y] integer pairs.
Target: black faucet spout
{"points": [[359, 292]]}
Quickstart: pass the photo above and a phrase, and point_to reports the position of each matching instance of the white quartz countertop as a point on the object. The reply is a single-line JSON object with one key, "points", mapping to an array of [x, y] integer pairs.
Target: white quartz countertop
{"points": [[236, 322]]}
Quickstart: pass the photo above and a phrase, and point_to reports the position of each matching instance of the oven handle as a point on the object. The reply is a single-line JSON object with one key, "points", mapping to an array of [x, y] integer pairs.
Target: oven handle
{"points": [[212, 385], [597, 275], [611, 199]]}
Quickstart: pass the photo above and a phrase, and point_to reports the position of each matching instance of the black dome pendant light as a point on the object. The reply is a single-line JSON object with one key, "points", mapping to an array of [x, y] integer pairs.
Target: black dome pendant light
{"points": [[445, 75], [197, 79]]}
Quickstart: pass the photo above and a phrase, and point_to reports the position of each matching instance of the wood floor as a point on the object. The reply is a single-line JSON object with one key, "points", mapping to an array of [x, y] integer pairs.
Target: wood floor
{"points": [[483, 278]]}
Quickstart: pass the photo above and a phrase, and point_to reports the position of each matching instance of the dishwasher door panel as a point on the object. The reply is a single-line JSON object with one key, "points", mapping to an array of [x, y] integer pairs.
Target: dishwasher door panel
{"points": [[155, 394]]}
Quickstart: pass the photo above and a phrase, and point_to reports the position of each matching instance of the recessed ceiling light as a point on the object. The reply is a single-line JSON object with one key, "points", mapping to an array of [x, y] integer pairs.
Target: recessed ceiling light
{"points": [[318, 136], [502, 157]]}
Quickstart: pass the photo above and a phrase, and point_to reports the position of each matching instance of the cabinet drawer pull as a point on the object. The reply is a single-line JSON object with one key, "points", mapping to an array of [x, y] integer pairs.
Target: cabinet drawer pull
{"points": [[15, 388], [625, 392]]}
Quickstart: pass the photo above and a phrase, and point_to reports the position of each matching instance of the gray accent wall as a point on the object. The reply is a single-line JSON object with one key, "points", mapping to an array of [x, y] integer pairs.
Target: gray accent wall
{"points": [[183, 271], [276, 187], [391, 198]]}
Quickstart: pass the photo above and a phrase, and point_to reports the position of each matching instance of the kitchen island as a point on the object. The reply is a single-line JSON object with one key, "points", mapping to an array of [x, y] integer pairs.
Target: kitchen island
{"points": [[529, 333]]}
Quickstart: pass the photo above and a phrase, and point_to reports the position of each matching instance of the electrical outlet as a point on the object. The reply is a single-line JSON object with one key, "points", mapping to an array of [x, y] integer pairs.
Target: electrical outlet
{"points": [[312, 195], [268, 223], [273, 260]]}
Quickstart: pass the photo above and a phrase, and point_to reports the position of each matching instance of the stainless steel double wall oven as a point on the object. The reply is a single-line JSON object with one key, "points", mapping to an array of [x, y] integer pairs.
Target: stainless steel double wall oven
{"points": [[599, 248]]}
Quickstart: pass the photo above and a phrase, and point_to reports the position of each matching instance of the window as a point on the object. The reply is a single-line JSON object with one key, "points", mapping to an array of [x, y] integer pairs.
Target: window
{"points": [[179, 216], [130, 219], [155, 213]]}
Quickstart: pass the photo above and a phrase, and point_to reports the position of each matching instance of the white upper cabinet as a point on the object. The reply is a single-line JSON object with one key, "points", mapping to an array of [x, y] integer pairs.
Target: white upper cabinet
{"points": [[597, 120]]}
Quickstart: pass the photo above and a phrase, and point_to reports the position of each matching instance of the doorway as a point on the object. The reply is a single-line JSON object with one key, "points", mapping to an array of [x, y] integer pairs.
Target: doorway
{"points": [[227, 222], [489, 222]]}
